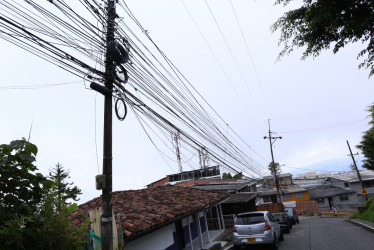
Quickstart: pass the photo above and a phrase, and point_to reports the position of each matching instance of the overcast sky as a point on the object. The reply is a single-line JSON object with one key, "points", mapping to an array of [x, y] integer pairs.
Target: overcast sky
{"points": [[315, 105]]}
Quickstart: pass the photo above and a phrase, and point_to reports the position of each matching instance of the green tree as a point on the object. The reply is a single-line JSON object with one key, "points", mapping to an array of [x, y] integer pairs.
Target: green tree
{"points": [[318, 24], [277, 168], [21, 188], [367, 143], [238, 176], [226, 176], [65, 190], [28, 216]]}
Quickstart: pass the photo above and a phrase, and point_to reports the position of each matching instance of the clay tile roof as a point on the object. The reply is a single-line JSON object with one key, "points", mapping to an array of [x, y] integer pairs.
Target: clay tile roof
{"points": [[145, 209]]}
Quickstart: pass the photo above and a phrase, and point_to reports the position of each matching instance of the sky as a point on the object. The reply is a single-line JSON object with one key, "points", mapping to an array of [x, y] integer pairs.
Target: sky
{"points": [[315, 105]]}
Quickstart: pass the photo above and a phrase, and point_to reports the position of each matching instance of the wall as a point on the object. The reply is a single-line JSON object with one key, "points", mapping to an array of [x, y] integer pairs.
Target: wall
{"points": [[159, 182], [166, 238], [159, 239]]}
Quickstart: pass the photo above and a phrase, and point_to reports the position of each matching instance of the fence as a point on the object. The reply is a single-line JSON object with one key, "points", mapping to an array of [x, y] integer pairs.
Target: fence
{"points": [[214, 223]]}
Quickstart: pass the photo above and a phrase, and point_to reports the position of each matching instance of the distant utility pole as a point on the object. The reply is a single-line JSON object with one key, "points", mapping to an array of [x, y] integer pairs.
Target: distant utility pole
{"points": [[203, 158], [176, 138], [272, 158], [106, 217], [363, 191]]}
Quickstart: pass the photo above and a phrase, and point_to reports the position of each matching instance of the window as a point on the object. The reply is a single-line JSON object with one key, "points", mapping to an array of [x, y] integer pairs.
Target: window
{"points": [[346, 184], [369, 183], [320, 200], [249, 219], [287, 197], [299, 195], [267, 199], [343, 197]]}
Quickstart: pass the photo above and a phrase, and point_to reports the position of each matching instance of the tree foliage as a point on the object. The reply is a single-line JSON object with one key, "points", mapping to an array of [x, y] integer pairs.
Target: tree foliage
{"points": [[319, 24], [277, 168], [367, 143], [238, 176], [65, 190], [21, 189], [28, 215]]}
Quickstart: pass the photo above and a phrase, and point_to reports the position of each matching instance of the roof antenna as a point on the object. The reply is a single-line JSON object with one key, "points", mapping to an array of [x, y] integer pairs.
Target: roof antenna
{"points": [[32, 121]]}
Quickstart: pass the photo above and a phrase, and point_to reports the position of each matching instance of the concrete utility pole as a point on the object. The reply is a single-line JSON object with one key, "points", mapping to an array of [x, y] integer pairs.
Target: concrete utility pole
{"points": [[272, 158], [106, 217], [358, 172]]}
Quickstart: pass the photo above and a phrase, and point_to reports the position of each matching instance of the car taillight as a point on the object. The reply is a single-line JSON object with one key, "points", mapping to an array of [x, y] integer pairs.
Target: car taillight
{"points": [[234, 228], [267, 226], [284, 217]]}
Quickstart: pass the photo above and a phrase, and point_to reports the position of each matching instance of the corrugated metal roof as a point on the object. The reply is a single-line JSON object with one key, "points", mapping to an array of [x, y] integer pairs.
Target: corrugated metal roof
{"points": [[328, 191], [279, 176], [352, 176], [222, 186], [283, 189], [240, 197]]}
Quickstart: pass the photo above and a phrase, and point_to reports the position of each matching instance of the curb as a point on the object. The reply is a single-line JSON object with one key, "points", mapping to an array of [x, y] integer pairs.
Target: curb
{"points": [[363, 225], [336, 214]]}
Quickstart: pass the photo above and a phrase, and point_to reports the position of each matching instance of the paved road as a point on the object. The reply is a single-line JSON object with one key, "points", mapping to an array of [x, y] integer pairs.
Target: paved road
{"points": [[321, 233], [316, 233]]}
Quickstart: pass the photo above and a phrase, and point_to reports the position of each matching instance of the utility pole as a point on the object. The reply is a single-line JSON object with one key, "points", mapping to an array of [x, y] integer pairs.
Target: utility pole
{"points": [[363, 191], [272, 160], [176, 139], [106, 217]]}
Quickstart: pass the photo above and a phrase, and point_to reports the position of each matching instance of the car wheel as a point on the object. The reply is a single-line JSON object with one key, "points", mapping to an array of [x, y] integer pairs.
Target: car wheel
{"points": [[236, 247], [298, 221], [288, 230], [281, 237]]}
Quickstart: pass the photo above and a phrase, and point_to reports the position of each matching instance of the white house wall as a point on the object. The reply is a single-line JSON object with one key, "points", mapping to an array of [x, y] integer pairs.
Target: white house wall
{"points": [[159, 239], [163, 238]]}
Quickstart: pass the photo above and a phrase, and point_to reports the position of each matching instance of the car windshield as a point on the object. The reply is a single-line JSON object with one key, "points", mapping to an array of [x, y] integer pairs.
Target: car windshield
{"points": [[278, 216], [249, 219]]}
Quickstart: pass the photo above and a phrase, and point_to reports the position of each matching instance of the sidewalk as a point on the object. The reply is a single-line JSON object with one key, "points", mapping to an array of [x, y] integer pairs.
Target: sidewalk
{"points": [[364, 224]]}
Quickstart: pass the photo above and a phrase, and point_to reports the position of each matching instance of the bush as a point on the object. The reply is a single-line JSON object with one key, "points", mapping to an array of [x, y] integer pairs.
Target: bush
{"points": [[369, 212]]}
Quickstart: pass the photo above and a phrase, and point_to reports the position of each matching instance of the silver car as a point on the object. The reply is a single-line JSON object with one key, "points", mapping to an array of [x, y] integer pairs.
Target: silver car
{"points": [[253, 228]]}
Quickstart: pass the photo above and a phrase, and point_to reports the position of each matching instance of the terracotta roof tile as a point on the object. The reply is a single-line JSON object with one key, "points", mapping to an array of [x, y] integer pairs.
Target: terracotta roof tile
{"points": [[147, 208]]}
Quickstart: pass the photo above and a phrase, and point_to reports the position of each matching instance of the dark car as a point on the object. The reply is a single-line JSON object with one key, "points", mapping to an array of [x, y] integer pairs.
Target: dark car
{"points": [[291, 212], [284, 221]]}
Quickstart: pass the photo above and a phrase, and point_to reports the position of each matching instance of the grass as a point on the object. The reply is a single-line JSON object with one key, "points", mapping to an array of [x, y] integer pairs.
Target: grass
{"points": [[368, 215]]}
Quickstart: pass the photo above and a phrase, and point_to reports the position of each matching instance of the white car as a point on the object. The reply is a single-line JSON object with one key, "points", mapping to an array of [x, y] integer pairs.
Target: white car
{"points": [[254, 228]]}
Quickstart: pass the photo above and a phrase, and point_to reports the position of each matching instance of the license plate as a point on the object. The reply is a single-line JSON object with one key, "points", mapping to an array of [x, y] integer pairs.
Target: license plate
{"points": [[251, 240]]}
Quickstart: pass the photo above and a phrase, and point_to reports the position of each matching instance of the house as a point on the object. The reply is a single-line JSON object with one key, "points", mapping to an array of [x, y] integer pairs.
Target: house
{"points": [[239, 203], [351, 181], [284, 179], [242, 197], [328, 197], [288, 193], [163, 217], [229, 187], [190, 177]]}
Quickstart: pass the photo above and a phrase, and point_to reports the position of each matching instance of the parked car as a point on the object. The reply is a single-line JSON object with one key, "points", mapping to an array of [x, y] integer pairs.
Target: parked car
{"points": [[291, 212], [254, 228], [284, 221]]}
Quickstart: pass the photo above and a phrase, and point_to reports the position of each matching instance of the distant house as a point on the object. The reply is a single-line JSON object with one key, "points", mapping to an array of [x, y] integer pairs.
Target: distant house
{"points": [[190, 177], [284, 179], [351, 181], [328, 197], [163, 217], [229, 187], [239, 203], [288, 193]]}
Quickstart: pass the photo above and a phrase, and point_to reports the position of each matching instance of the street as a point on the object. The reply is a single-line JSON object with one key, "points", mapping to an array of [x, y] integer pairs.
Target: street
{"points": [[319, 233]]}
